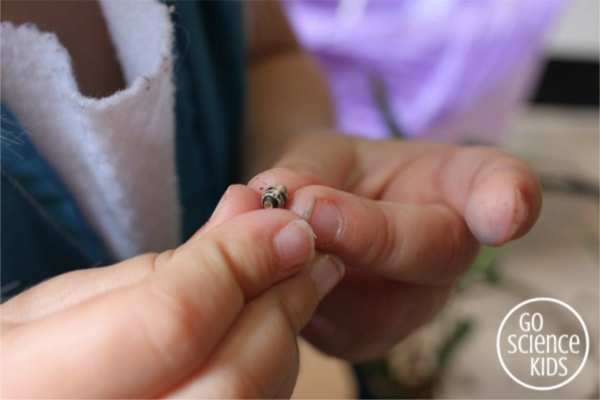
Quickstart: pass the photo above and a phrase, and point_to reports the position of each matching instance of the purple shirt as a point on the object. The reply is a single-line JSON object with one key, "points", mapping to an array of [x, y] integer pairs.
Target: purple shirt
{"points": [[436, 60]]}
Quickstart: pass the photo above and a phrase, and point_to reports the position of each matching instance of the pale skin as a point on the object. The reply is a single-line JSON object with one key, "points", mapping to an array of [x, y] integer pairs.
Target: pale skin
{"points": [[219, 316]]}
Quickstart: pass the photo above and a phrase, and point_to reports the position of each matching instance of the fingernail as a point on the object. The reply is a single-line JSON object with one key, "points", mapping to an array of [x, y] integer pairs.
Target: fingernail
{"points": [[520, 214], [326, 221], [327, 272], [295, 243]]}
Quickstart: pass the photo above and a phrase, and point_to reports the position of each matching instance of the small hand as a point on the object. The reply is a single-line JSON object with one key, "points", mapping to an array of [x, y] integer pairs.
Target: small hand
{"points": [[406, 218], [216, 317]]}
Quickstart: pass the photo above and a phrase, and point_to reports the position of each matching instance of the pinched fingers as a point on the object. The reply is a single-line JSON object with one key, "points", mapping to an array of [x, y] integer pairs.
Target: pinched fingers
{"points": [[497, 195], [258, 358], [421, 244], [146, 337], [236, 200], [292, 179]]}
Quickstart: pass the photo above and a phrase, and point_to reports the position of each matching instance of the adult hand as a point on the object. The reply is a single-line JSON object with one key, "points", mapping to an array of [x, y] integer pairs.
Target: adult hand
{"points": [[216, 317], [406, 218]]}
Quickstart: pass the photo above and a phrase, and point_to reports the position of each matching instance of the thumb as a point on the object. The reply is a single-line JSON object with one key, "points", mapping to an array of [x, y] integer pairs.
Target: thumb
{"points": [[66, 290], [146, 337]]}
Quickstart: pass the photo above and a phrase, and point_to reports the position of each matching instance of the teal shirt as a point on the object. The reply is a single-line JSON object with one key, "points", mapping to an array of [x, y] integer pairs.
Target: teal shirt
{"points": [[210, 74], [43, 231]]}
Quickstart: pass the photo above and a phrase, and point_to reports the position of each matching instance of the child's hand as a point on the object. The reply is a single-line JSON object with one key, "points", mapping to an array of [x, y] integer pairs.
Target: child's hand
{"points": [[215, 317], [406, 218]]}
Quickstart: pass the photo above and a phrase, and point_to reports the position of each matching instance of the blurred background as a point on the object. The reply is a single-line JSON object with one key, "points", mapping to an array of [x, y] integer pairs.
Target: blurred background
{"points": [[519, 75]]}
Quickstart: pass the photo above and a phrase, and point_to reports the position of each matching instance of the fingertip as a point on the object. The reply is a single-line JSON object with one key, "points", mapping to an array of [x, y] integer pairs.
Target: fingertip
{"points": [[236, 200], [292, 180], [242, 193], [503, 208]]}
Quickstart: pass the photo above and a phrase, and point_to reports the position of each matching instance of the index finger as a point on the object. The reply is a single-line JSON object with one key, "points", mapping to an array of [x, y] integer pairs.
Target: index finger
{"points": [[497, 195], [421, 244]]}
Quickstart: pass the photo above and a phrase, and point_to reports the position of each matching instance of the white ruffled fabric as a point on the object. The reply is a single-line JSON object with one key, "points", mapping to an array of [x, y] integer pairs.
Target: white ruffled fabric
{"points": [[116, 155]]}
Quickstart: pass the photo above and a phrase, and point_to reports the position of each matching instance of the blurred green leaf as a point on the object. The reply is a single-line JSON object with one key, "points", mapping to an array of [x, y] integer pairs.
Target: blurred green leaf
{"points": [[461, 331], [483, 269]]}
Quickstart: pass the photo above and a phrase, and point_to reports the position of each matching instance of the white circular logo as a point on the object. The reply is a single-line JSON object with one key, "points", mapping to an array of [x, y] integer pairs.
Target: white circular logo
{"points": [[542, 343]]}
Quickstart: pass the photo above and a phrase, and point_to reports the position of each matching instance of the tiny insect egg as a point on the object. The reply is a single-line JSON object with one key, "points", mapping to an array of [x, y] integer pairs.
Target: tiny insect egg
{"points": [[275, 197]]}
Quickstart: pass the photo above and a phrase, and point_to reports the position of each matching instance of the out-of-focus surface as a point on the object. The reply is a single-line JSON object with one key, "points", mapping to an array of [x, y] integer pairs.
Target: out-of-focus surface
{"points": [[575, 36], [323, 377]]}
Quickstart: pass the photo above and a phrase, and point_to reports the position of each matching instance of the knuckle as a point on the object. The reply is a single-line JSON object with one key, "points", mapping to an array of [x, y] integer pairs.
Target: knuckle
{"points": [[172, 324], [295, 303], [248, 267], [216, 252], [387, 243], [295, 312]]}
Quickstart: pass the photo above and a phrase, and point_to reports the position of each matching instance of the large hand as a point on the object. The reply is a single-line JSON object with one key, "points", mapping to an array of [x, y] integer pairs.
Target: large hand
{"points": [[217, 317], [406, 218]]}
